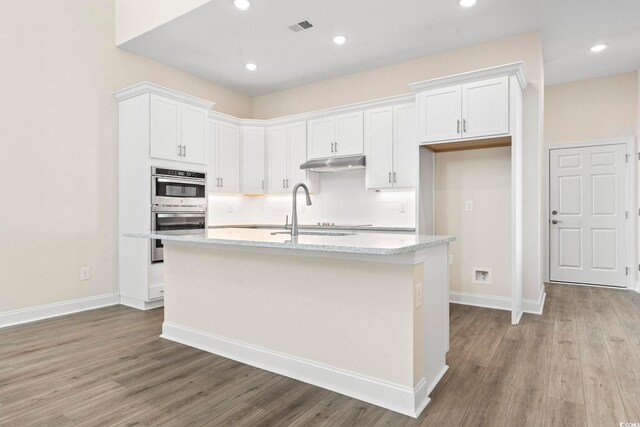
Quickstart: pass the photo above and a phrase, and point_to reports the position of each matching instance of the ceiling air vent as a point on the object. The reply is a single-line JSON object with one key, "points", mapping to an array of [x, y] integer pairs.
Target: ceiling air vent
{"points": [[302, 25]]}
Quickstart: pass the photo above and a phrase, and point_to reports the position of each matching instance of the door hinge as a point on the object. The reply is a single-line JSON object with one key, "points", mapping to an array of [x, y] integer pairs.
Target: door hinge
{"points": [[638, 156], [626, 158], [626, 214]]}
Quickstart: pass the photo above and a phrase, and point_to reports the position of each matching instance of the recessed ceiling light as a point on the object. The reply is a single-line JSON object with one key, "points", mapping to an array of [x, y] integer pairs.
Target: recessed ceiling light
{"points": [[339, 40], [251, 67], [242, 4], [467, 3], [598, 48]]}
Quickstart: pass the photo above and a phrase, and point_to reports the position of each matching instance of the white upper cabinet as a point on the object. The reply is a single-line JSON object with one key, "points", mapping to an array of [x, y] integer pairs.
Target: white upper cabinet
{"points": [[194, 134], [405, 151], [297, 139], [321, 136], [224, 172], [165, 129], [390, 135], [177, 131], [253, 160], [472, 110], [485, 108], [286, 152], [378, 134], [441, 110], [277, 159], [349, 139], [340, 135]]}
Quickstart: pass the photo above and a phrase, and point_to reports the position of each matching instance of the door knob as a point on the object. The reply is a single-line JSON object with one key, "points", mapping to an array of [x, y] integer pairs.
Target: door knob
{"points": [[555, 221]]}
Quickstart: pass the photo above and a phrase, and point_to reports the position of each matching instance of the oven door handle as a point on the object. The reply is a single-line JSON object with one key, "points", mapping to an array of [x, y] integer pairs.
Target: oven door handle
{"points": [[179, 215], [181, 181]]}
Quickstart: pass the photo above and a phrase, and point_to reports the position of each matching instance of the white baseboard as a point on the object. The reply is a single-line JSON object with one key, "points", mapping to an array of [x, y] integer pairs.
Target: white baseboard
{"points": [[496, 302], [141, 305], [26, 315], [405, 400]]}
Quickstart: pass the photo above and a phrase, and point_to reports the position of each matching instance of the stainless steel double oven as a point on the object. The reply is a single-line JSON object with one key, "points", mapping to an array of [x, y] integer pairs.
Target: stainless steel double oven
{"points": [[178, 203]]}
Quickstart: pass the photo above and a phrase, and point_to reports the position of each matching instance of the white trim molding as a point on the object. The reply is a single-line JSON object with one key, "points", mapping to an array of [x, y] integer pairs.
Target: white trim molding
{"points": [[496, 302], [515, 68], [141, 305], [405, 400], [148, 87], [32, 314]]}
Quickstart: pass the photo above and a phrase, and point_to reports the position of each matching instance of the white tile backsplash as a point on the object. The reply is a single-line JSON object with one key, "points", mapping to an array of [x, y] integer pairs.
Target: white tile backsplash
{"points": [[343, 199]]}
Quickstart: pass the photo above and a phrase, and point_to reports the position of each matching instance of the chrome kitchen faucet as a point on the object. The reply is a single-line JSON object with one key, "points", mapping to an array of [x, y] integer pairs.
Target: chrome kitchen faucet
{"points": [[294, 213]]}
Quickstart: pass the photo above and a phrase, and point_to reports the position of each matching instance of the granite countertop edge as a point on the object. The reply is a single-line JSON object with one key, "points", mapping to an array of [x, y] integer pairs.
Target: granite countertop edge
{"points": [[315, 227]]}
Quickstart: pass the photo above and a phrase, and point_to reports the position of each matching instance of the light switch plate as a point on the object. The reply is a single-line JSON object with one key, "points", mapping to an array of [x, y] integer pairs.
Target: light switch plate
{"points": [[84, 273], [468, 205], [418, 295]]}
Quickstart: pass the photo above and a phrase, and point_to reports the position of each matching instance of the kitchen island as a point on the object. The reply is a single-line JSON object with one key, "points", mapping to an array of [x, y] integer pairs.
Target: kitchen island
{"points": [[365, 315]]}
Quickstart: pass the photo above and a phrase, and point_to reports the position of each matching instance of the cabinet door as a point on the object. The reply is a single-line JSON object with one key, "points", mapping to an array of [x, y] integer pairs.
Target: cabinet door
{"points": [[253, 160], [297, 142], [194, 134], [320, 134], [213, 181], [378, 135], [405, 145], [349, 131], [229, 157], [277, 159], [440, 114], [485, 108], [165, 129]]}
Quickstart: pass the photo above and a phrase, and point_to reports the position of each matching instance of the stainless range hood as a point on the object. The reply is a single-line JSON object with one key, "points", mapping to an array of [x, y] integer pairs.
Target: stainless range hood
{"points": [[334, 164]]}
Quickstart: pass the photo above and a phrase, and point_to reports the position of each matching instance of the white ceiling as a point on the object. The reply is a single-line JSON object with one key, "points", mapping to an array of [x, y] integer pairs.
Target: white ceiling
{"points": [[216, 40]]}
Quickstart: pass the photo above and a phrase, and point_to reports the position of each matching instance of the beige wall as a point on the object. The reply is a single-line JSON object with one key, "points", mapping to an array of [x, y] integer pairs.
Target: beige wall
{"points": [[135, 17], [484, 177], [393, 79], [606, 107], [58, 171]]}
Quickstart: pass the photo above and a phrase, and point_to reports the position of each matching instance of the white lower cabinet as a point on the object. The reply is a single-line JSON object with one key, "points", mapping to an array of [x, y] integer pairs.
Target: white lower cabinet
{"points": [[391, 146], [286, 152], [223, 174], [253, 160]]}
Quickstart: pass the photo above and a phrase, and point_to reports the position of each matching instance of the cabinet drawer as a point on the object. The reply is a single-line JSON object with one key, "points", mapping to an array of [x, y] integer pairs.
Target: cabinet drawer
{"points": [[156, 292]]}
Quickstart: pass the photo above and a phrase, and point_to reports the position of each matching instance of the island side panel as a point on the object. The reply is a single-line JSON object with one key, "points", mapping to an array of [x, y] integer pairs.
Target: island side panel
{"points": [[352, 315]]}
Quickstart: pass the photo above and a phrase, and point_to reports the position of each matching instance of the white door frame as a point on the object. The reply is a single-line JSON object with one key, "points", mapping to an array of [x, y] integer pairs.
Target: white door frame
{"points": [[632, 201]]}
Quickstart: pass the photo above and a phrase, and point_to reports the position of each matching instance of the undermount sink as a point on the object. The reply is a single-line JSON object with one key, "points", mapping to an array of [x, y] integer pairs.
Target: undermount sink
{"points": [[317, 233]]}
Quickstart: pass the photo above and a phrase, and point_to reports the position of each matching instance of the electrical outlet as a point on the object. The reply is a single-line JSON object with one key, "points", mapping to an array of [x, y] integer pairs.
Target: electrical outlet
{"points": [[230, 209], [403, 207], [418, 295], [84, 273], [481, 276], [468, 206]]}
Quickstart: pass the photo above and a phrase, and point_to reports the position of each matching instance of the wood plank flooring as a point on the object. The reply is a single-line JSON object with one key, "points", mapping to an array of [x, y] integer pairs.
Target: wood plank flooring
{"points": [[578, 364]]}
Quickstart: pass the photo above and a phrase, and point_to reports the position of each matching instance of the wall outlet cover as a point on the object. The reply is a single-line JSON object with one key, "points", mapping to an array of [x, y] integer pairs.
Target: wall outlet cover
{"points": [[84, 273], [481, 276], [468, 206]]}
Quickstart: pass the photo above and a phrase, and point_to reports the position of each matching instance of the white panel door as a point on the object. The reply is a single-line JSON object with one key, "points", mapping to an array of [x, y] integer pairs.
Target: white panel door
{"points": [[165, 129], [405, 146], [349, 134], [485, 108], [229, 157], [440, 114], [297, 146], [588, 229], [194, 134], [253, 160], [378, 134], [277, 164], [320, 135]]}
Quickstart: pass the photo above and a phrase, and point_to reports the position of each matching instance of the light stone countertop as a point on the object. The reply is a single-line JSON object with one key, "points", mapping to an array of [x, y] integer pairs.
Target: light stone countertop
{"points": [[367, 228], [355, 243]]}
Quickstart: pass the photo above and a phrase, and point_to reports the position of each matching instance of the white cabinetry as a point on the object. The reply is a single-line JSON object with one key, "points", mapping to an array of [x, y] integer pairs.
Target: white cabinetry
{"points": [[253, 160], [340, 135], [178, 131], [286, 152], [391, 146], [471, 110], [224, 158]]}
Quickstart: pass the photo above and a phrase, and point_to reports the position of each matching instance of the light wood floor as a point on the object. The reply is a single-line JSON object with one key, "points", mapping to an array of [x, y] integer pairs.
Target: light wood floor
{"points": [[578, 364]]}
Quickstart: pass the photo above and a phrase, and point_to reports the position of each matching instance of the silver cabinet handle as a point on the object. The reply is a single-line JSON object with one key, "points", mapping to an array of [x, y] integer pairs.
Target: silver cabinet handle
{"points": [[464, 125], [221, 182], [458, 126], [332, 147], [394, 177], [263, 184], [287, 182], [336, 146], [184, 151], [389, 177], [180, 150], [217, 182], [283, 183]]}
